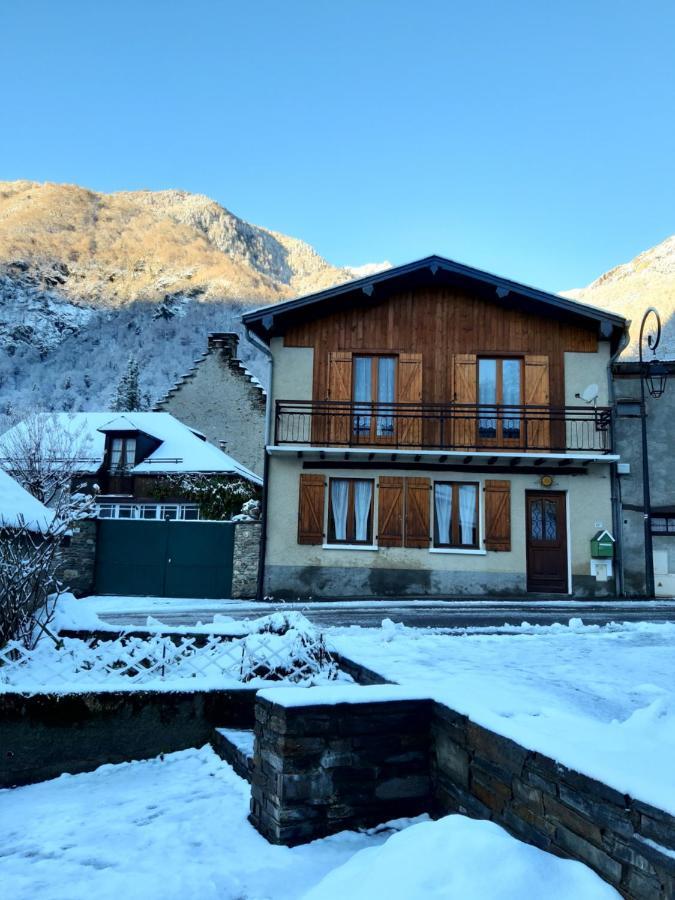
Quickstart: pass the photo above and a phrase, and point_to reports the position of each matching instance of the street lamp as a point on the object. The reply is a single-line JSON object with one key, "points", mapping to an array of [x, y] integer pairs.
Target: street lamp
{"points": [[653, 374]]}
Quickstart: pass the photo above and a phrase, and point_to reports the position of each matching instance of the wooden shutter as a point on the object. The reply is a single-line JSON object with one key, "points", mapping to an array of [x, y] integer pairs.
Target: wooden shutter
{"points": [[340, 388], [465, 391], [390, 512], [310, 509], [536, 393], [410, 391], [417, 503], [498, 515]]}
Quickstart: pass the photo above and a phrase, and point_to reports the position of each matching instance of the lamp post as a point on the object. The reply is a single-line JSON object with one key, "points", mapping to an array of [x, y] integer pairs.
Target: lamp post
{"points": [[653, 375]]}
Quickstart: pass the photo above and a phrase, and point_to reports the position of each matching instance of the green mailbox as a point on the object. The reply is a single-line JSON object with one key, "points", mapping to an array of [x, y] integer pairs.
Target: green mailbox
{"points": [[602, 545]]}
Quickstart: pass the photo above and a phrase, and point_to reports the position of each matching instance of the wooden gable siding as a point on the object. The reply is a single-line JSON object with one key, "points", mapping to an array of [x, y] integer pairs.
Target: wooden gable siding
{"points": [[439, 323]]}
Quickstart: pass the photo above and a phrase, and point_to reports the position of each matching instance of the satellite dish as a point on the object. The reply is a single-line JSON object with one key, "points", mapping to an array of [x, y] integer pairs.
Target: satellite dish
{"points": [[589, 394]]}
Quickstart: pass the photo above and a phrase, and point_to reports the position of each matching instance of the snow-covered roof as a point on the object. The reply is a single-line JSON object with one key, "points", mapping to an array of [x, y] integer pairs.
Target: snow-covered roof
{"points": [[182, 449], [17, 506]]}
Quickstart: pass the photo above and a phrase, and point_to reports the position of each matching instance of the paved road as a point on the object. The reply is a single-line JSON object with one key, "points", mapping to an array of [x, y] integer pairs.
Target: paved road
{"points": [[421, 614]]}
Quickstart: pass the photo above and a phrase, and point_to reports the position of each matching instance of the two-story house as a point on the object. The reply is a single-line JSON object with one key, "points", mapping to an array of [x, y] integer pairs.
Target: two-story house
{"points": [[437, 430]]}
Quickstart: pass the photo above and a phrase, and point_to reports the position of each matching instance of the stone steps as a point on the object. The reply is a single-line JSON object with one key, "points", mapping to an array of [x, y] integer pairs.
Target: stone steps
{"points": [[235, 746]]}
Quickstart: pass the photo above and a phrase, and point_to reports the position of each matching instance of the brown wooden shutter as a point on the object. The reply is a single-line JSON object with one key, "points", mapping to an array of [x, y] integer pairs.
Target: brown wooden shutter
{"points": [[340, 388], [537, 393], [417, 503], [465, 391], [409, 430], [498, 515], [390, 512], [310, 509]]}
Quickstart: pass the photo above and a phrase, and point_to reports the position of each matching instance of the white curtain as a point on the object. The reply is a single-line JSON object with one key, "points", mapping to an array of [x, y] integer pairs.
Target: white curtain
{"points": [[362, 392], [339, 491], [362, 496], [443, 503], [386, 372], [511, 394], [130, 453], [116, 453], [487, 393], [467, 512]]}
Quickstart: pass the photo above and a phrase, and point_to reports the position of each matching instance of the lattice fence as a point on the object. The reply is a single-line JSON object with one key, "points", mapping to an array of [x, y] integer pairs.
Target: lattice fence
{"points": [[293, 656]]}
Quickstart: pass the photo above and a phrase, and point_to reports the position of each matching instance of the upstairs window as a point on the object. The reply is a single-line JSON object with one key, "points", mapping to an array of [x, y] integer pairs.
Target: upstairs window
{"points": [[500, 383], [456, 515], [350, 511], [663, 524], [122, 454], [374, 382]]}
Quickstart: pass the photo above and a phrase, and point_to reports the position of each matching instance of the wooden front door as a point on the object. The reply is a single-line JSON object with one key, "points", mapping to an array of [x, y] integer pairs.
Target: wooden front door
{"points": [[546, 529]]}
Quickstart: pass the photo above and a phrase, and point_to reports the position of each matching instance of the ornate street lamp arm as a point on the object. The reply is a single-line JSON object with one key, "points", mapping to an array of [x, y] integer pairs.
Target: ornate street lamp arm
{"points": [[652, 339]]}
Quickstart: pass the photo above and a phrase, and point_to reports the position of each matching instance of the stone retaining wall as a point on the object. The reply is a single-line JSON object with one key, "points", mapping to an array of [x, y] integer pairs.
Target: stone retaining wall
{"points": [[45, 735]]}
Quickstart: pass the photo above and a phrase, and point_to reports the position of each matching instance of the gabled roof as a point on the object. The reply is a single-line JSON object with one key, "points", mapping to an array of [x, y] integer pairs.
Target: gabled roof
{"points": [[269, 321], [181, 449], [18, 507]]}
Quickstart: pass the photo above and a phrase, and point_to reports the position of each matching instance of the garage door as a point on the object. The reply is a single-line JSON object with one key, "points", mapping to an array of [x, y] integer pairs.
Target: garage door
{"points": [[164, 558]]}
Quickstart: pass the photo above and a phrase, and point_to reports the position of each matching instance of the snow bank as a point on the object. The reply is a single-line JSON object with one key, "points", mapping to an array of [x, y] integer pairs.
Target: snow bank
{"points": [[457, 857]]}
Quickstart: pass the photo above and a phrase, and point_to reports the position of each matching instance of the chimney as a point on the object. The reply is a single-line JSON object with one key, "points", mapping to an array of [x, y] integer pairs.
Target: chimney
{"points": [[225, 341]]}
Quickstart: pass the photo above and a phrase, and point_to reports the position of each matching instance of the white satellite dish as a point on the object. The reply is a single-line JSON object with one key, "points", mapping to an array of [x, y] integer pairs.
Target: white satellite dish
{"points": [[589, 394]]}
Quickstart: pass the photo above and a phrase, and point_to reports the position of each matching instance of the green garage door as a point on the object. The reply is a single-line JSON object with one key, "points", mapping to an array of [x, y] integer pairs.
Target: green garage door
{"points": [[164, 559]]}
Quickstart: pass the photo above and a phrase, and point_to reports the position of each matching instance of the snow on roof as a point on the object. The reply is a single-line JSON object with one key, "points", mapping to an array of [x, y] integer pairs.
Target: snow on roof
{"points": [[182, 449], [17, 506]]}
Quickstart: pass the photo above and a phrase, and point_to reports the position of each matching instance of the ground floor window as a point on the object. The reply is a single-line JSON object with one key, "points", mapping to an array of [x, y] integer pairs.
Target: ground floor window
{"points": [[455, 514], [149, 511], [350, 511], [663, 524]]}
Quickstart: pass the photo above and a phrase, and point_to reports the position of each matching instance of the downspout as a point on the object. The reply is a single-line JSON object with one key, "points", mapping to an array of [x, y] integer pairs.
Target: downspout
{"points": [[617, 513], [260, 582]]}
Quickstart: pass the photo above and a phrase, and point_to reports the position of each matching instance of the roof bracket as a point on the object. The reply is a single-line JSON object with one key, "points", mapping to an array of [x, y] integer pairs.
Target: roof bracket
{"points": [[368, 289], [503, 292], [433, 268]]}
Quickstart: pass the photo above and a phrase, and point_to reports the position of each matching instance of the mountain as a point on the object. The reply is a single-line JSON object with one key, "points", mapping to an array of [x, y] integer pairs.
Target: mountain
{"points": [[628, 289]]}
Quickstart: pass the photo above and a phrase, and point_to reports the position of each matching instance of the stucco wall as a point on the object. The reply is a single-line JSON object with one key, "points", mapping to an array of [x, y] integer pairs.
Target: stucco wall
{"points": [[293, 371], [584, 369], [589, 504]]}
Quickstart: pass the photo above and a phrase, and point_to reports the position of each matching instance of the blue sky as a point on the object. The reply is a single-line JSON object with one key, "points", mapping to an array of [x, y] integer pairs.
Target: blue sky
{"points": [[536, 140]]}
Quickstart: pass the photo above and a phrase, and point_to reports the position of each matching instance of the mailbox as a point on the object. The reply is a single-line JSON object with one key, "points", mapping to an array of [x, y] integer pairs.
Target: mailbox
{"points": [[602, 545]]}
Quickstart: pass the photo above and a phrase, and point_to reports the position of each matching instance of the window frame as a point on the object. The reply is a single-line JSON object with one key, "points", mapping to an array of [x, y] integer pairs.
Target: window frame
{"points": [[350, 535], [499, 438], [668, 522], [371, 436], [455, 526], [123, 467]]}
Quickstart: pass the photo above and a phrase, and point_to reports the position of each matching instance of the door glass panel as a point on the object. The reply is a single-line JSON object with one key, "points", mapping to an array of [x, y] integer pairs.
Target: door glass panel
{"points": [[386, 376], [550, 520], [536, 520], [362, 393], [511, 395], [487, 394]]}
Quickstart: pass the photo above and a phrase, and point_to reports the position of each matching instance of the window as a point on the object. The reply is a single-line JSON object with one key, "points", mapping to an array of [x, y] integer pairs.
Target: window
{"points": [[374, 381], [148, 511], [455, 514], [122, 454], [500, 384], [663, 524], [350, 511]]}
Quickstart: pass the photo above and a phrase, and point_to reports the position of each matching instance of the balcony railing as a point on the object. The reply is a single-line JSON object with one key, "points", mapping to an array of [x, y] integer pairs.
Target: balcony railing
{"points": [[440, 426]]}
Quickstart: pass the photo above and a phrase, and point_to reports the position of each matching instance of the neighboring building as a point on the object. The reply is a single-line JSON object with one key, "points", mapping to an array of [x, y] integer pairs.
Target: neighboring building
{"points": [[19, 509], [221, 398], [430, 438], [125, 455], [660, 430]]}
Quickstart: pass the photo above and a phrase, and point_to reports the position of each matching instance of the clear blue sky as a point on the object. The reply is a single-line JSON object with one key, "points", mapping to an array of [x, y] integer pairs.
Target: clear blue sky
{"points": [[533, 139]]}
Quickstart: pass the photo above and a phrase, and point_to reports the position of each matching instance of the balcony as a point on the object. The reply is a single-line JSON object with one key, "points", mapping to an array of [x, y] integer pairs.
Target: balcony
{"points": [[444, 427]]}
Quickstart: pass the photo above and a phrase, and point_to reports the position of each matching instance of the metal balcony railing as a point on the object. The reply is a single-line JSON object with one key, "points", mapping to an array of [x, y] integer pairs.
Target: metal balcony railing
{"points": [[444, 426]]}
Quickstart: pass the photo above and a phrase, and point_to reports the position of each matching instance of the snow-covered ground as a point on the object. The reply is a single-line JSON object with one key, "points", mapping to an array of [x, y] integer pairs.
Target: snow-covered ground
{"points": [[176, 829], [600, 700]]}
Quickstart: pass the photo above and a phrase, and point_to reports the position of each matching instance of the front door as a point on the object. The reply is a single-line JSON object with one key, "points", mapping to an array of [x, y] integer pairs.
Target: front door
{"points": [[546, 528]]}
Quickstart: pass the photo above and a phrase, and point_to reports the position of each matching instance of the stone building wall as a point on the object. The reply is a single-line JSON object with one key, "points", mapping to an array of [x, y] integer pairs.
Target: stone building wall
{"points": [[220, 398], [77, 568]]}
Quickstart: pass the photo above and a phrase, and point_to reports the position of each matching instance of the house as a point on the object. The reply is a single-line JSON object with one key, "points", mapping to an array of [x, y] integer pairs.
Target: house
{"points": [[19, 509], [660, 418], [437, 431], [144, 464], [223, 400]]}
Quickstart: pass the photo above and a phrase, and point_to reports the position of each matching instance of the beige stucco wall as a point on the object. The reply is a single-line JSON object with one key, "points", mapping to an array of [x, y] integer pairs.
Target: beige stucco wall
{"points": [[293, 371], [588, 503], [583, 369]]}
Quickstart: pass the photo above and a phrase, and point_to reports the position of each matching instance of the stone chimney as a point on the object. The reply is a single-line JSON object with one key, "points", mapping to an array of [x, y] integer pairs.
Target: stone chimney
{"points": [[224, 341]]}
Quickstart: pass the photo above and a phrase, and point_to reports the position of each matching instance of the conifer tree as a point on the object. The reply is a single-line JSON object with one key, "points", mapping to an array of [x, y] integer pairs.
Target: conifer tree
{"points": [[128, 396]]}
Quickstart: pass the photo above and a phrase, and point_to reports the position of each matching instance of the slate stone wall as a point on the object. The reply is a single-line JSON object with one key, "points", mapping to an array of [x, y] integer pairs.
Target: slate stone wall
{"points": [[77, 568], [246, 560], [45, 735], [319, 770]]}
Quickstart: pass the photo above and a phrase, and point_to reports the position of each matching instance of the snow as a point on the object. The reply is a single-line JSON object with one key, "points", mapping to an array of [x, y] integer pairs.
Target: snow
{"points": [[457, 858], [594, 698], [18, 507], [176, 827], [242, 739], [181, 450], [349, 693]]}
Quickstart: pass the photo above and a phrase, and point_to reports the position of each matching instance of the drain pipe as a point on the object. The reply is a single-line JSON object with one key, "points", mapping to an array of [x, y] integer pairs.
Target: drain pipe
{"points": [[260, 582], [617, 512]]}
